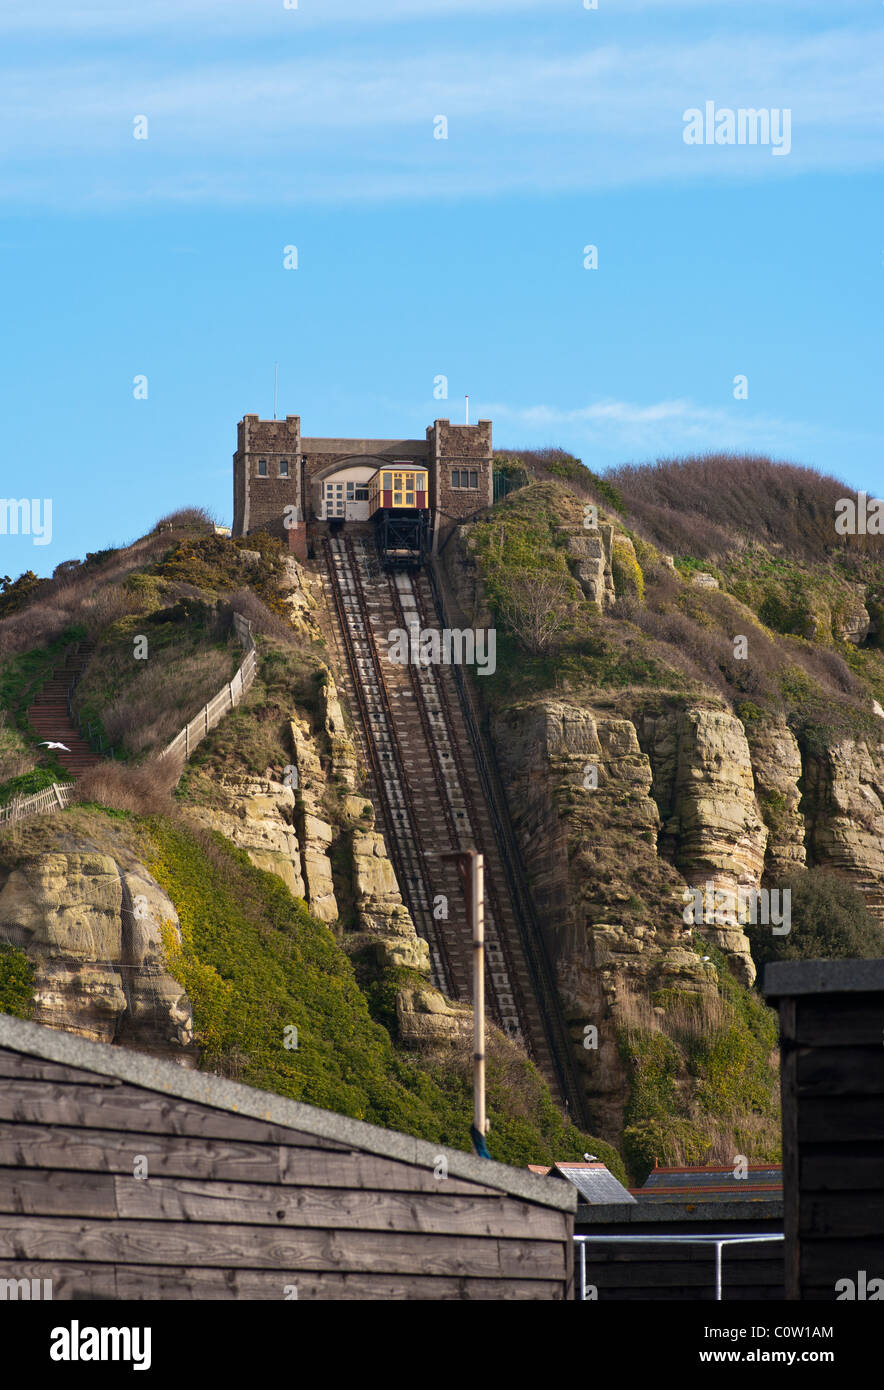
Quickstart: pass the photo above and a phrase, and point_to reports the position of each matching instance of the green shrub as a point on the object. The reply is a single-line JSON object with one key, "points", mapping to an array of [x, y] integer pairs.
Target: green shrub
{"points": [[829, 921], [16, 982]]}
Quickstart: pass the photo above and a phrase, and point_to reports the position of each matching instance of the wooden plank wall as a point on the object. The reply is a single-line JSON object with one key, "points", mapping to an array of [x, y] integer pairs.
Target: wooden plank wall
{"points": [[833, 1140], [234, 1207]]}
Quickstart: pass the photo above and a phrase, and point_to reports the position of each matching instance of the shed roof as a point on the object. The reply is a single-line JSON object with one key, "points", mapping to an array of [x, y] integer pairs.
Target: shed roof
{"points": [[36, 1040], [594, 1181], [791, 977], [763, 1183]]}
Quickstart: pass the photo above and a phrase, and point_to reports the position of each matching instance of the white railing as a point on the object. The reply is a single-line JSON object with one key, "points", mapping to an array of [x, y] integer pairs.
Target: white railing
{"points": [[50, 799], [719, 1243], [227, 698]]}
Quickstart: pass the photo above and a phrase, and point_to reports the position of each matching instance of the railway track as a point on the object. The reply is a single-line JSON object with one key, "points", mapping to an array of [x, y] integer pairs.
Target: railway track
{"points": [[435, 795]]}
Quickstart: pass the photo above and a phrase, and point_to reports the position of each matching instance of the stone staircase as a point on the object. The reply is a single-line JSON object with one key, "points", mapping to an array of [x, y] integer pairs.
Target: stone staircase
{"points": [[49, 718]]}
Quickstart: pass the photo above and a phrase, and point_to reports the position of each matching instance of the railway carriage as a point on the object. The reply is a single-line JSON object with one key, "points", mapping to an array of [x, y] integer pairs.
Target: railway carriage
{"points": [[398, 504]]}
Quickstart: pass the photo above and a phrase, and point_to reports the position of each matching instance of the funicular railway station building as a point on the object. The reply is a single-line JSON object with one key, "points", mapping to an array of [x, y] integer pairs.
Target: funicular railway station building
{"points": [[294, 486]]}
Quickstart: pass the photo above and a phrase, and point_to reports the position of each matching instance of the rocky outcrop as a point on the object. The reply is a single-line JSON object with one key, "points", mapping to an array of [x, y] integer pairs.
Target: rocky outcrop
{"points": [[426, 1020], [578, 787], [301, 593], [591, 554], [93, 930], [776, 765], [852, 622], [712, 828], [256, 814], [314, 829], [844, 809]]}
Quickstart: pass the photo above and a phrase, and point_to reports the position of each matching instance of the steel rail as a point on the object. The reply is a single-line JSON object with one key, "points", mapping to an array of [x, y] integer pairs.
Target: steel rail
{"points": [[410, 872]]}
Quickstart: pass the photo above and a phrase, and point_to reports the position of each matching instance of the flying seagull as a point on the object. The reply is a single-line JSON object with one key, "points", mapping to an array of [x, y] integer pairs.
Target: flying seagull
{"points": [[48, 743]]}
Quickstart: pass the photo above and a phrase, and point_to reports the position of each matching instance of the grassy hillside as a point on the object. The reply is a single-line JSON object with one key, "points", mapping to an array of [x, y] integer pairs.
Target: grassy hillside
{"points": [[252, 959]]}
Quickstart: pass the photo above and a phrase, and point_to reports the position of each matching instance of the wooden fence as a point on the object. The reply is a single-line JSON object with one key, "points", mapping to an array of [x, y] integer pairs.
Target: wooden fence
{"points": [[227, 698], [58, 795], [47, 800]]}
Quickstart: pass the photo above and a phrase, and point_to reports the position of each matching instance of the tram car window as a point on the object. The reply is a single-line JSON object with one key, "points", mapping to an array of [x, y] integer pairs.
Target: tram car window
{"points": [[398, 503]]}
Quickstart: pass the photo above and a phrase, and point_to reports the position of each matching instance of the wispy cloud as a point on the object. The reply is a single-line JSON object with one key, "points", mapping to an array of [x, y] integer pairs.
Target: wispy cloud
{"points": [[653, 428], [213, 17], [237, 131]]}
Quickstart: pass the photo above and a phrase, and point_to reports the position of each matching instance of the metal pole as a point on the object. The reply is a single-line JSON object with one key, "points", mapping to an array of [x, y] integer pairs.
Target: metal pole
{"points": [[718, 1249], [275, 386], [478, 918], [467, 411]]}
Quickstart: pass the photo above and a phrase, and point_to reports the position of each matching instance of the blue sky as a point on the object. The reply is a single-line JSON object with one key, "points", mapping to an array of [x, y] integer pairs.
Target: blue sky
{"points": [[417, 257]]}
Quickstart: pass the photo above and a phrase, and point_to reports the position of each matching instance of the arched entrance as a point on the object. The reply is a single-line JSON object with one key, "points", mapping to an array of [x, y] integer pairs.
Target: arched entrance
{"points": [[341, 490]]}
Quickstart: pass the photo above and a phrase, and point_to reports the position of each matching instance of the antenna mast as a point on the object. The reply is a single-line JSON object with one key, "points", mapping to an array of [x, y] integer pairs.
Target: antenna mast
{"points": [[275, 387]]}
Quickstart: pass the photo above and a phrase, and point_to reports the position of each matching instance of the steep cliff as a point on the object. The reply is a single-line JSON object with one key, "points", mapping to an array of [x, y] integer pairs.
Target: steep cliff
{"points": [[252, 925], [670, 759]]}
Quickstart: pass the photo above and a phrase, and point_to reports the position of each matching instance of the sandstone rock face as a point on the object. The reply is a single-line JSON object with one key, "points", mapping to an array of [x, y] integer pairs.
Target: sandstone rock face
{"points": [[712, 830], [844, 799], [854, 623], [578, 787], [314, 830], [301, 592], [345, 763], [776, 765], [592, 552], [427, 1020], [380, 910], [257, 815], [93, 931]]}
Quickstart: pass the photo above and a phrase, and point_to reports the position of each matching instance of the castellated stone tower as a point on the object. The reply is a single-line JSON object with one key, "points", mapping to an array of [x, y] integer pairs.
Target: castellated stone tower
{"points": [[282, 481], [267, 469]]}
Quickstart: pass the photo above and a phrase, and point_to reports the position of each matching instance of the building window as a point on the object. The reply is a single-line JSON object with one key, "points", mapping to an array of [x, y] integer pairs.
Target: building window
{"points": [[361, 493], [262, 468], [283, 468], [465, 477]]}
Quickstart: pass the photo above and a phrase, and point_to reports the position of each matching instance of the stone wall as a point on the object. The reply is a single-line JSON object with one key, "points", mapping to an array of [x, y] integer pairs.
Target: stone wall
{"points": [[261, 501], [459, 447]]}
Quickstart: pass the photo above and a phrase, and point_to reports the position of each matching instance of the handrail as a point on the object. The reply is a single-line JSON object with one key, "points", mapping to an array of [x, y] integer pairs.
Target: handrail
{"points": [[226, 699], [721, 1242]]}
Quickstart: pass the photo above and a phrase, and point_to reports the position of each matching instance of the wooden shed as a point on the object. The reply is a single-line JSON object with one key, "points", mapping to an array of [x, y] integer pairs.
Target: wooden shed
{"points": [[832, 1041], [126, 1177]]}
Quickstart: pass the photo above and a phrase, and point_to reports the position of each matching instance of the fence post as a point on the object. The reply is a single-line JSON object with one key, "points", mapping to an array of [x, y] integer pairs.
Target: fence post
{"points": [[58, 796], [186, 742]]}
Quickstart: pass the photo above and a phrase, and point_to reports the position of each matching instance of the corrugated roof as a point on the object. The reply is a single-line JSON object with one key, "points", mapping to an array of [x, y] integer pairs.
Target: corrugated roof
{"points": [[595, 1183], [713, 1179], [712, 1184]]}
